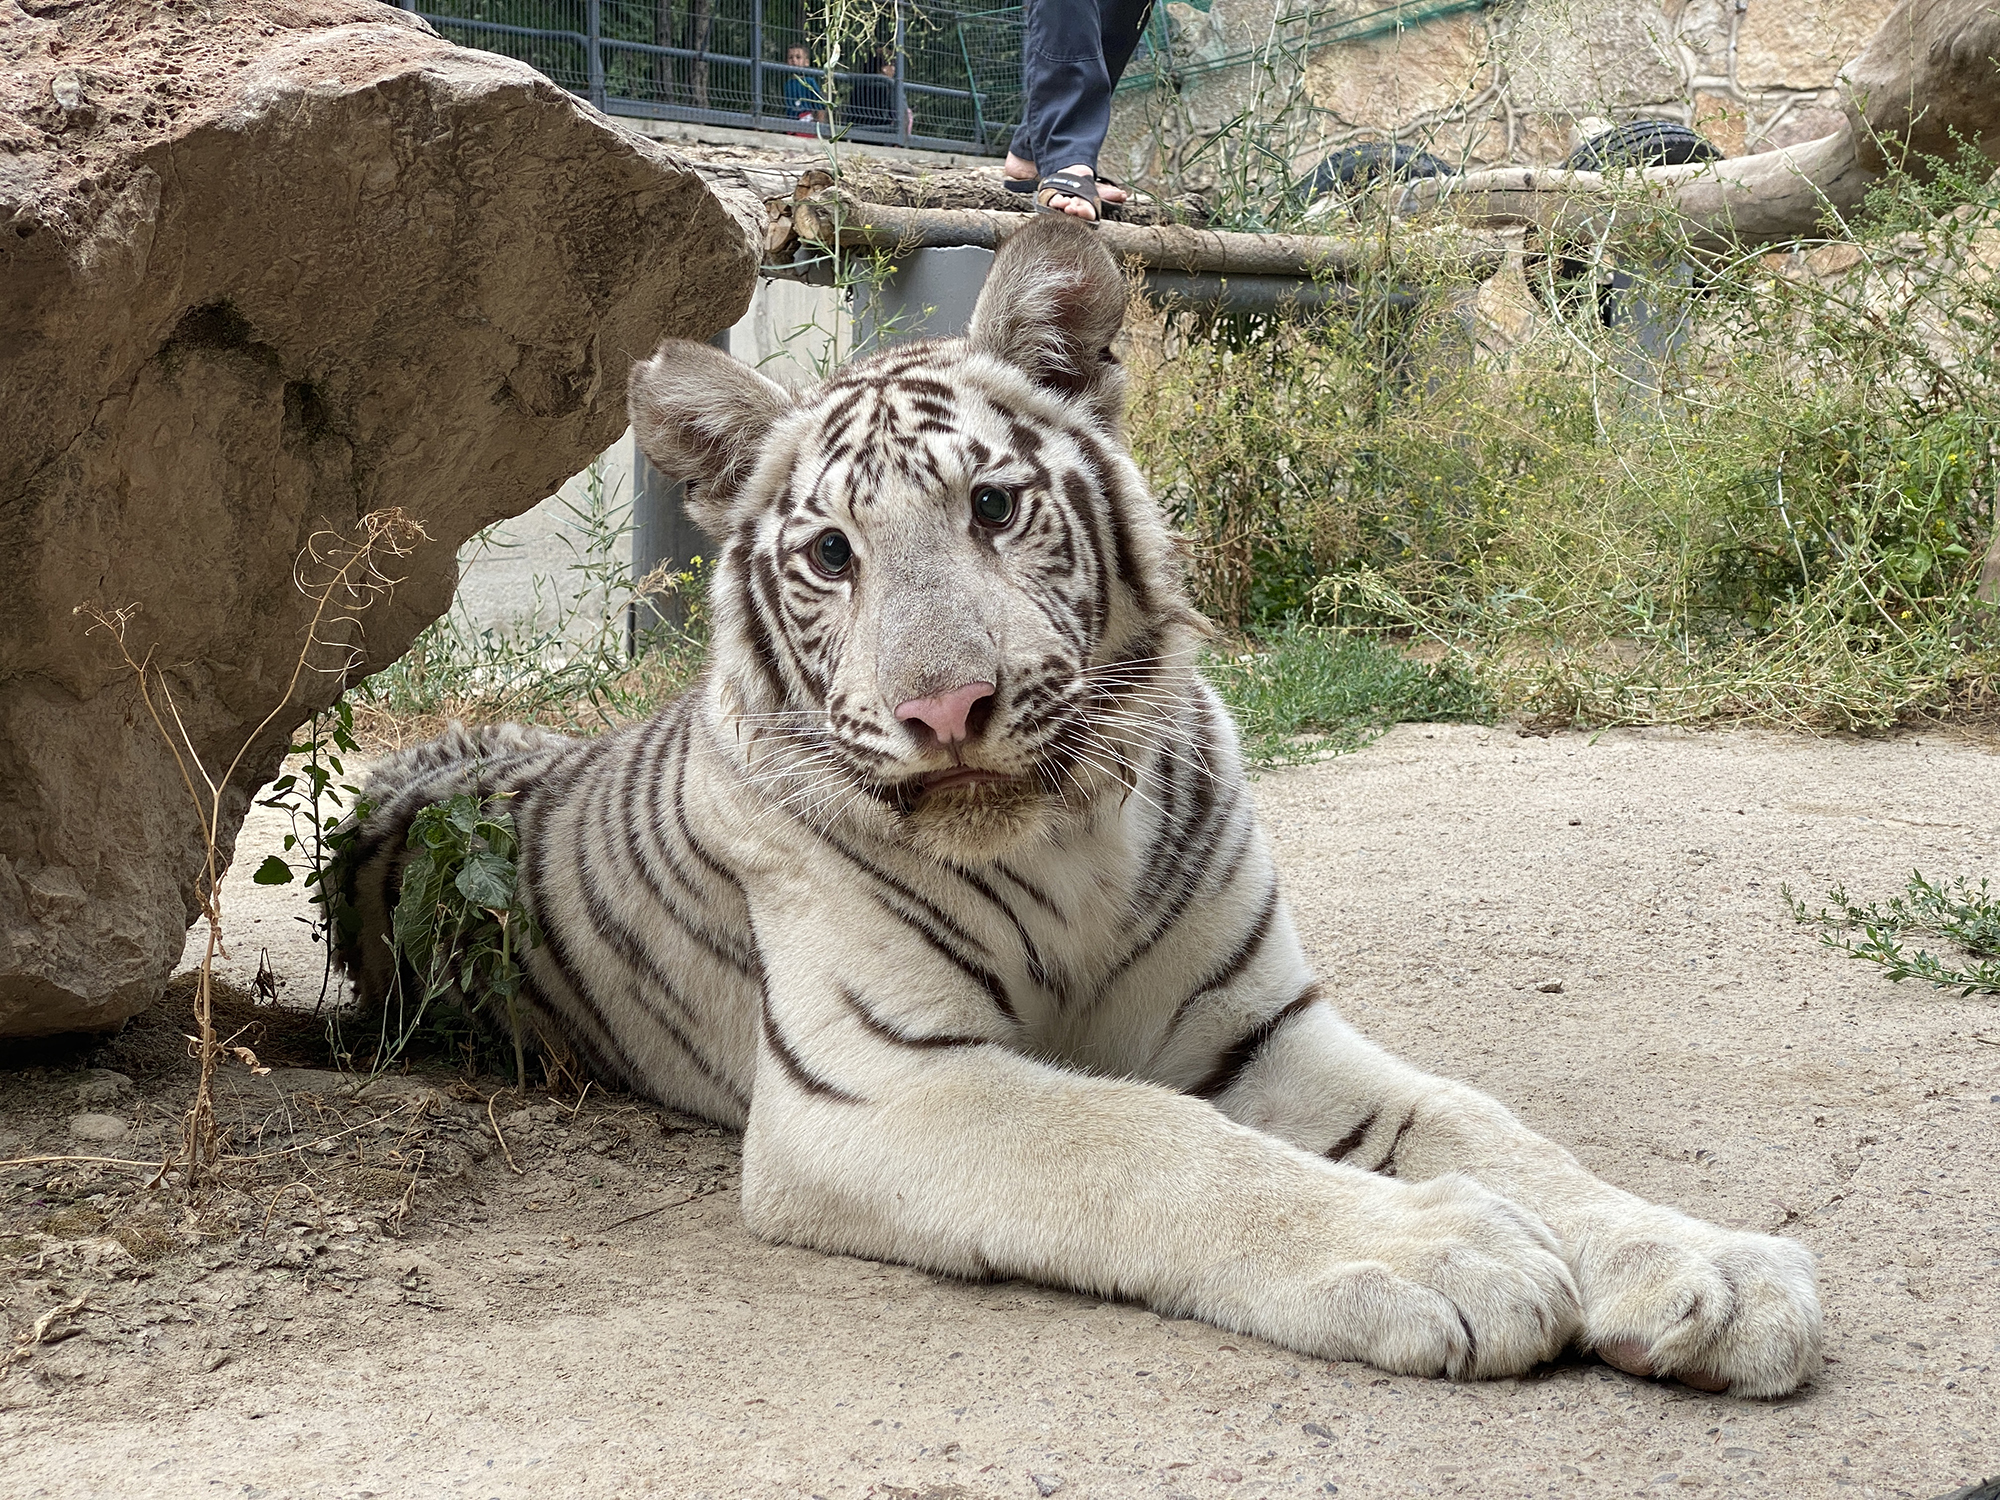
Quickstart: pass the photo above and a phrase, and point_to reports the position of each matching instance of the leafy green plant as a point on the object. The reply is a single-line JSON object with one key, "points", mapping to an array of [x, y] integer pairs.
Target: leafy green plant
{"points": [[1774, 512], [460, 928], [326, 812], [1921, 192], [1956, 910]]}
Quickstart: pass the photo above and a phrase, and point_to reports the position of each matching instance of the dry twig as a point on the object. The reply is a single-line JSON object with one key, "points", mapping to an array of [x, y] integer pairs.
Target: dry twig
{"points": [[494, 1121], [351, 579]]}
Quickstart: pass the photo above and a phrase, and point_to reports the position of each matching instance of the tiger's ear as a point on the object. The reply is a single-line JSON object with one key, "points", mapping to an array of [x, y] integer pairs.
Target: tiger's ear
{"points": [[703, 417], [1052, 304]]}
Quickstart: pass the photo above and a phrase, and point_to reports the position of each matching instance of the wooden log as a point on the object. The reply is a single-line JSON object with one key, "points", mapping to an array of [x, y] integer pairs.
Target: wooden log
{"points": [[832, 218], [1928, 72], [1931, 70], [1748, 200]]}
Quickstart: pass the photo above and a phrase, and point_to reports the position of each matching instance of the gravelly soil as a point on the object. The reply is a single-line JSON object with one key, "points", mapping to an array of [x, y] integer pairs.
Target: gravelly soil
{"points": [[382, 1305]]}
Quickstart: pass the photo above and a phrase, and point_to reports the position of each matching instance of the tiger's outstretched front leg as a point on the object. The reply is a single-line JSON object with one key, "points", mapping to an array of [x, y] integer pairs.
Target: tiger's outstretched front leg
{"points": [[1663, 1293], [890, 1119]]}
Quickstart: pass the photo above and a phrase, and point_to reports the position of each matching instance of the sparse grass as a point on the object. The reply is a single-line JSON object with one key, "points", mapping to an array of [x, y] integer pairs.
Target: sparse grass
{"points": [[601, 648], [1301, 692], [1956, 910]]}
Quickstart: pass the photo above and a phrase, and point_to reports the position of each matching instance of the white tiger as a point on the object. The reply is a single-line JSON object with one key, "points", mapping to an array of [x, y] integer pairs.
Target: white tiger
{"points": [[942, 885]]}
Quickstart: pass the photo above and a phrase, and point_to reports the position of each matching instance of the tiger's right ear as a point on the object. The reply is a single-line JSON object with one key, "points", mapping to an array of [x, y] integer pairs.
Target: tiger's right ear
{"points": [[704, 418], [1051, 307]]}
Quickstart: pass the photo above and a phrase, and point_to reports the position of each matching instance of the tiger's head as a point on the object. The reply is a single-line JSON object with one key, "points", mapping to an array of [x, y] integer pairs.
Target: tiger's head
{"points": [[945, 604]]}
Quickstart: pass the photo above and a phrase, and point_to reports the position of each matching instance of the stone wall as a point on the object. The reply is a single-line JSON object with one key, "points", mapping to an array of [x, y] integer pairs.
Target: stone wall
{"points": [[1512, 83]]}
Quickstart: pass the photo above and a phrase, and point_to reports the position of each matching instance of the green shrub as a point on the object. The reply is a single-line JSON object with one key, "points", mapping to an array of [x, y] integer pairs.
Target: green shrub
{"points": [[1777, 513]]}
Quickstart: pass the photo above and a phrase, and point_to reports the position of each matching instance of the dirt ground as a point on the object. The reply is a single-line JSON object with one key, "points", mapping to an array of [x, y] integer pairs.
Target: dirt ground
{"points": [[384, 1301]]}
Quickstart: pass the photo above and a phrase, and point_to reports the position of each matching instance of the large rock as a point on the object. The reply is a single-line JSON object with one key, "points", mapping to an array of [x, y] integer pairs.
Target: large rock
{"points": [[1801, 44], [1927, 81], [266, 267]]}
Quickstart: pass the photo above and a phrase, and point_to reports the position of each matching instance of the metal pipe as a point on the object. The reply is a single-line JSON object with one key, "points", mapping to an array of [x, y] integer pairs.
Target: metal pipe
{"points": [[594, 22], [1273, 295], [662, 532]]}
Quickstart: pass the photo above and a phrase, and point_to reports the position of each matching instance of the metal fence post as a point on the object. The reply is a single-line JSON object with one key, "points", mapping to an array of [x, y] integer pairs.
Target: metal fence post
{"points": [[902, 110], [594, 26], [661, 533], [757, 60], [972, 87]]}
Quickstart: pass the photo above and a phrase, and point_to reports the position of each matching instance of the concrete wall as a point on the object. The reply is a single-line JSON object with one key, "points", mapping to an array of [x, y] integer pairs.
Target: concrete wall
{"points": [[519, 575]]}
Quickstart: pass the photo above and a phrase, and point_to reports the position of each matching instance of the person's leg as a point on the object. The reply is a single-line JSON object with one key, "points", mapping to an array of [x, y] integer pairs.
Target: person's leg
{"points": [[1020, 164], [1072, 57], [1122, 23], [1055, 34]]}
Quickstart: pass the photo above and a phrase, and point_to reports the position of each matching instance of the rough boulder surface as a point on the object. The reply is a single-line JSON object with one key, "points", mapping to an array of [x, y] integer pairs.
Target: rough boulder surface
{"points": [[265, 268]]}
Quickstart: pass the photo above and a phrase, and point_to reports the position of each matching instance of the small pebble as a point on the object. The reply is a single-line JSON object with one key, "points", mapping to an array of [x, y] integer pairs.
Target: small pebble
{"points": [[98, 1128], [1550, 987], [1046, 1484]]}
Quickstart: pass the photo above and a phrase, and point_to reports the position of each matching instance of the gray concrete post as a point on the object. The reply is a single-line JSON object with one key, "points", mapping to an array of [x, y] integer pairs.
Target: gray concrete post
{"points": [[662, 532], [930, 295]]}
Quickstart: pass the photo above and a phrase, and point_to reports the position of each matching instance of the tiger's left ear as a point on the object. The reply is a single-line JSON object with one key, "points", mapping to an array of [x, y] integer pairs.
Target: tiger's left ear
{"points": [[1052, 304], [703, 417]]}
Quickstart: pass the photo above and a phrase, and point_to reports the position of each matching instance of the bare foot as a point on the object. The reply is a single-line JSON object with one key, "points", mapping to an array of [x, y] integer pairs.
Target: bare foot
{"points": [[1078, 208]]}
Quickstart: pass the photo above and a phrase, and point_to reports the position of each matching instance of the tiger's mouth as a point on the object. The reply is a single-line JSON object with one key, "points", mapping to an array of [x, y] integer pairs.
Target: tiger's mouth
{"points": [[957, 778]]}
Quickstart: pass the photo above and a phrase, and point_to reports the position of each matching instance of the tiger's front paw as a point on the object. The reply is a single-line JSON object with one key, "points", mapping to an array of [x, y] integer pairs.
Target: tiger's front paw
{"points": [[1716, 1309], [1458, 1282]]}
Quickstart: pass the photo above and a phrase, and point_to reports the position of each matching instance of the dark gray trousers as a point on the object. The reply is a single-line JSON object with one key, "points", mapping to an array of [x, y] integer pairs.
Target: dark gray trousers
{"points": [[1071, 58]]}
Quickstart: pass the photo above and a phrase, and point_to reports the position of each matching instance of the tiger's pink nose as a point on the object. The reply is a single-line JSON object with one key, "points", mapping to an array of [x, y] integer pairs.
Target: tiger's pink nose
{"points": [[946, 714]]}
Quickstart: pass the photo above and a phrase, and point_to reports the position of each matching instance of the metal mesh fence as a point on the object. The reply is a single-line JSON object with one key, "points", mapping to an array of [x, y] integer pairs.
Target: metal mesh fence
{"points": [[925, 75]]}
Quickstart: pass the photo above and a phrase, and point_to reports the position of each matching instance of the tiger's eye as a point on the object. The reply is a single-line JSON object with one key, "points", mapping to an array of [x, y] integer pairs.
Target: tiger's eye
{"points": [[831, 554], [993, 505]]}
